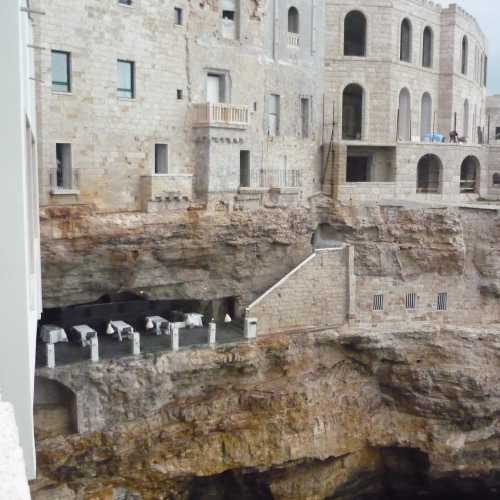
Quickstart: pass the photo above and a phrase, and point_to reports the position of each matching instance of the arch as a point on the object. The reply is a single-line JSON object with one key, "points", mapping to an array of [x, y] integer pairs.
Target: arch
{"points": [[469, 175], [404, 116], [405, 41], [352, 112], [465, 55], [496, 179], [466, 119], [293, 20], [426, 116], [429, 174], [54, 409], [427, 47], [355, 34]]}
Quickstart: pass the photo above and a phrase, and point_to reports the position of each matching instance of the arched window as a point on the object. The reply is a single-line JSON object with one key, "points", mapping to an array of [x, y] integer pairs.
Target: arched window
{"points": [[427, 48], [429, 172], [465, 54], [469, 175], [426, 116], [293, 20], [352, 112], [496, 179], [466, 119], [404, 115], [405, 43], [355, 34]]}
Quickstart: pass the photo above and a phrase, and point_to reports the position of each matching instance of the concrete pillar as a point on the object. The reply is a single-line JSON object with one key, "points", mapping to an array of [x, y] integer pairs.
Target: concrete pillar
{"points": [[50, 354], [175, 338], [212, 329], [250, 328], [135, 340], [94, 349]]}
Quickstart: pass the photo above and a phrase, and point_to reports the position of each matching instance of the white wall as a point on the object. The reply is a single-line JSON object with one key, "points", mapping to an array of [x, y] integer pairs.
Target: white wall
{"points": [[20, 297]]}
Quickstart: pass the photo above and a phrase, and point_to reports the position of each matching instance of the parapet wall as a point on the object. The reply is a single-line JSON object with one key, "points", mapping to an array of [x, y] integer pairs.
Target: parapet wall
{"points": [[314, 295]]}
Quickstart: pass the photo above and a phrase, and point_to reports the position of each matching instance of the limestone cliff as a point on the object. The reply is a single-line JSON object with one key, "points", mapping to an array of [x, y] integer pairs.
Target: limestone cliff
{"points": [[362, 412]]}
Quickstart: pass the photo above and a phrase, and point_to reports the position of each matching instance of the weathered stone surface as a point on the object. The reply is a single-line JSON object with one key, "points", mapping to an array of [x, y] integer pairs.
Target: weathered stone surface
{"points": [[299, 403]]}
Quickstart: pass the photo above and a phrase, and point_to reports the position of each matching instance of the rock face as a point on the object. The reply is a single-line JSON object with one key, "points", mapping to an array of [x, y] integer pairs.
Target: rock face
{"points": [[323, 415], [363, 412]]}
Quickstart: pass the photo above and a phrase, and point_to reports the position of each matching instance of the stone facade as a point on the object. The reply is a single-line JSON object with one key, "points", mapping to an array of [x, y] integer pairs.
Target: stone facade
{"points": [[225, 154]]}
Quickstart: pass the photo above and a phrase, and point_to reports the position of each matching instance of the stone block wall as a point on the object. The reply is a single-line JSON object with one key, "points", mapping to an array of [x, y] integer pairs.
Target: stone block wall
{"points": [[315, 294]]}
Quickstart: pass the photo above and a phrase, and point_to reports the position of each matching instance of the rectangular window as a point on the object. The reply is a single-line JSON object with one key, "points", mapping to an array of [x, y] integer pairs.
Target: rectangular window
{"points": [[378, 302], [161, 158], [273, 115], [180, 94], [497, 133], [244, 168], [178, 14], [230, 19], [125, 2], [63, 177], [61, 71], [442, 301], [411, 301], [305, 114], [126, 79], [216, 88]]}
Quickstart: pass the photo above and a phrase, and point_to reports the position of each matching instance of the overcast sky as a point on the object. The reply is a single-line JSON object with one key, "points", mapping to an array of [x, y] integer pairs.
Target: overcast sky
{"points": [[487, 13]]}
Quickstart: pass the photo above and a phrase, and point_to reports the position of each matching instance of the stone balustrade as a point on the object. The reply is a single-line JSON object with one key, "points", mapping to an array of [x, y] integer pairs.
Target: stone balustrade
{"points": [[219, 114]]}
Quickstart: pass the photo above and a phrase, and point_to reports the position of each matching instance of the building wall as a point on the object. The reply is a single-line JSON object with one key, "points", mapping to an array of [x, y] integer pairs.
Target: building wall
{"points": [[383, 75], [113, 139], [315, 294], [13, 482], [20, 296]]}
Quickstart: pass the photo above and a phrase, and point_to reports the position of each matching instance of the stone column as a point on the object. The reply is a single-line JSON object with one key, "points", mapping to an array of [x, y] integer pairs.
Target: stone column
{"points": [[250, 328], [50, 354], [212, 328], [135, 340], [175, 338], [94, 349]]}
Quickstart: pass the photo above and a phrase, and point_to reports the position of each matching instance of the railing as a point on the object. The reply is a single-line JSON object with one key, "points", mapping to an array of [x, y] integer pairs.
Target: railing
{"points": [[468, 186], [64, 179], [293, 40], [274, 177], [220, 114]]}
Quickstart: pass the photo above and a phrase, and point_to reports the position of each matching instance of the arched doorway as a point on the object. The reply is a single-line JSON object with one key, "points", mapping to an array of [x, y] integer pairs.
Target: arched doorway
{"points": [[469, 175], [293, 20], [427, 48], [429, 174], [352, 112], [355, 34], [404, 121], [54, 409], [426, 116]]}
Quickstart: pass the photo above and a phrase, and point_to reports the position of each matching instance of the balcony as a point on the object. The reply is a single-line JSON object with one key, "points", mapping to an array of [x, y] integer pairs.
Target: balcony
{"points": [[276, 178], [293, 40], [64, 181], [222, 115]]}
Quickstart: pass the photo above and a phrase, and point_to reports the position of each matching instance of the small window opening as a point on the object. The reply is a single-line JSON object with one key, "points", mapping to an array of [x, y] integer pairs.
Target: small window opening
{"points": [[125, 2], [61, 71], [305, 114], [228, 15], [161, 159], [230, 18], [442, 301], [496, 179], [180, 94], [358, 169], [63, 177], [126, 79], [411, 301], [178, 15], [497, 133], [378, 302], [244, 168]]}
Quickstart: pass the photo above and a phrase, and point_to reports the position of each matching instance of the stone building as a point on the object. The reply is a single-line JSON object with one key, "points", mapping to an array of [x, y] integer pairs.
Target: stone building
{"points": [[239, 104]]}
